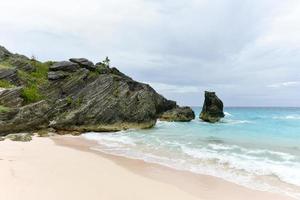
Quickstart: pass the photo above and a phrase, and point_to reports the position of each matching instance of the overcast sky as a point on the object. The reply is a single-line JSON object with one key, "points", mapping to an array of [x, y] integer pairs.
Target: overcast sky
{"points": [[248, 51]]}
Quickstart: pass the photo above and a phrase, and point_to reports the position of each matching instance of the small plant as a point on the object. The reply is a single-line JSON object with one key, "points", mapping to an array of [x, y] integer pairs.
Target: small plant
{"points": [[33, 58], [106, 62], [31, 94], [4, 109], [43, 133], [6, 84], [79, 101], [69, 100]]}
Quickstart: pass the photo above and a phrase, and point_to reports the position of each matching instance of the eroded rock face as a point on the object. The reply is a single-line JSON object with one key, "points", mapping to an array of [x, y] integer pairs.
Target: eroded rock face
{"points": [[26, 118], [78, 98], [179, 114], [212, 110]]}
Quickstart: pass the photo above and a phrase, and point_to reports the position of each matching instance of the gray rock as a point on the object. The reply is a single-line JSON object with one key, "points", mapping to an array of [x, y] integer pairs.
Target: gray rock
{"points": [[11, 97], [87, 101], [83, 62], [10, 75], [212, 110], [57, 75], [19, 137], [108, 103], [64, 66], [30, 117], [179, 114]]}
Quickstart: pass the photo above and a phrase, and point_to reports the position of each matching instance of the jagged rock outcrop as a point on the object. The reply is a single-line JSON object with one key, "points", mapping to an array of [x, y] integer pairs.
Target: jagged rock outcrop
{"points": [[212, 110], [79, 96], [83, 62], [179, 114]]}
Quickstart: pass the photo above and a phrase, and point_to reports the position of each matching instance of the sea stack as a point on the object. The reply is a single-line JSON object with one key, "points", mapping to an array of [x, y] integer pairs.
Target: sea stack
{"points": [[212, 110]]}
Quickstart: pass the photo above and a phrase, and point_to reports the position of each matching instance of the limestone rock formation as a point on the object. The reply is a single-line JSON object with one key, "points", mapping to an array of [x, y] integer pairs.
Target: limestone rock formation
{"points": [[179, 114], [212, 110], [78, 96]]}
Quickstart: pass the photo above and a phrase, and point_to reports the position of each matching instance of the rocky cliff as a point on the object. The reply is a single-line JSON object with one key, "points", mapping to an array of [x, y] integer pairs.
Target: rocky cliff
{"points": [[74, 95]]}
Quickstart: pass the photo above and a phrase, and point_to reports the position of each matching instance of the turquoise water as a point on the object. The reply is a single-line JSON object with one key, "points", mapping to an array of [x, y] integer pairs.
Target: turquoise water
{"points": [[255, 147]]}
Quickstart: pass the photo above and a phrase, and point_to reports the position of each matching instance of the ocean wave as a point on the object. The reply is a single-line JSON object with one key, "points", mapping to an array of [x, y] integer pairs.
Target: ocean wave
{"points": [[228, 114], [287, 117], [116, 139], [234, 121], [256, 168]]}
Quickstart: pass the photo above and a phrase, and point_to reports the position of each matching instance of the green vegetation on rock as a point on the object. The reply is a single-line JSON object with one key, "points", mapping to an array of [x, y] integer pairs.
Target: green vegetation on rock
{"points": [[5, 64], [31, 94], [33, 81], [6, 84], [4, 109]]}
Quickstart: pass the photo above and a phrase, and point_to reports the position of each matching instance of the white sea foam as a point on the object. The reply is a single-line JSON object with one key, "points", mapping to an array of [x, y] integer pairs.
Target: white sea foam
{"points": [[288, 117], [235, 121], [230, 162], [228, 114], [107, 138]]}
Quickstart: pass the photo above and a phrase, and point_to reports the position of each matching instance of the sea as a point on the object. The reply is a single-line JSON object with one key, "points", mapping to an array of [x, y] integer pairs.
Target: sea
{"points": [[258, 148]]}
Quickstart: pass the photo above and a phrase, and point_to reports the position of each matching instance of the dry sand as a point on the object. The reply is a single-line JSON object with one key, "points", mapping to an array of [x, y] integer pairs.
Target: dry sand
{"points": [[43, 170]]}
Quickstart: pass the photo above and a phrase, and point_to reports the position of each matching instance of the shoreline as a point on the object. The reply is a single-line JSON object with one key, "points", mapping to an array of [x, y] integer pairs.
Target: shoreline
{"points": [[64, 168], [199, 185]]}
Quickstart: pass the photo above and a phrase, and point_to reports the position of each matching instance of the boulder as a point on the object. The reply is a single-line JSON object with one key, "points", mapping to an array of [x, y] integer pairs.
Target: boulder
{"points": [[212, 110], [179, 114], [83, 62], [19, 137], [64, 66]]}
